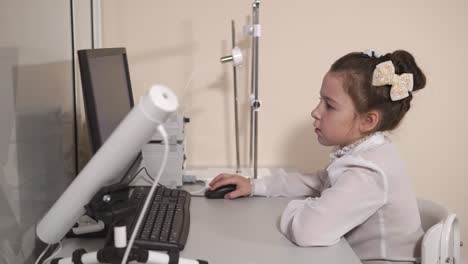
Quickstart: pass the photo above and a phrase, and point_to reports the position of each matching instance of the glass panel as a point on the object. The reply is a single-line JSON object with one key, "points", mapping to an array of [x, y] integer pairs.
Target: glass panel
{"points": [[36, 117]]}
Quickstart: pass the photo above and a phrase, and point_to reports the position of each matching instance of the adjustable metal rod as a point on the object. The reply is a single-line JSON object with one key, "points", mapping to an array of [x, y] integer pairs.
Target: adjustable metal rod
{"points": [[236, 58], [236, 116], [255, 103]]}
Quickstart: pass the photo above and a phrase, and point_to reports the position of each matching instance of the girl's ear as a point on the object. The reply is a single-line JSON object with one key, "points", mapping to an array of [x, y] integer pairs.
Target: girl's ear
{"points": [[369, 121]]}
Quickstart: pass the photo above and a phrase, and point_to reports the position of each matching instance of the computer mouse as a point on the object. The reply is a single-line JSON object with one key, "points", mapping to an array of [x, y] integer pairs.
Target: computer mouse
{"points": [[219, 192]]}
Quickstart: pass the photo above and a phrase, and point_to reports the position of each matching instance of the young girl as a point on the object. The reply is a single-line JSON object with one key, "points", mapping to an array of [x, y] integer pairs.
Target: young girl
{"points": [[364, 194]]}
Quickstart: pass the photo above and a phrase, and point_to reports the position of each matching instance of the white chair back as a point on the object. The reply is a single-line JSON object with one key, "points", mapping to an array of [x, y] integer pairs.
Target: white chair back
{"points": [[441, 242]]}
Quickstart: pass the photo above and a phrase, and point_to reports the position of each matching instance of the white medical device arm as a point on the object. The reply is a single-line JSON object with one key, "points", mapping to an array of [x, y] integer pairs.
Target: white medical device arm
{"points": [[123, 144]]}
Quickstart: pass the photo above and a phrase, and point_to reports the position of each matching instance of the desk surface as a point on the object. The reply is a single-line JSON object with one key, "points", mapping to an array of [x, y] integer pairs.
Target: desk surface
{"points": [[244, 231]]}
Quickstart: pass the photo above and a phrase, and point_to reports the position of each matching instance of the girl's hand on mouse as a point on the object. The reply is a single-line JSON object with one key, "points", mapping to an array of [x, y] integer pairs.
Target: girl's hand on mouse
{"points": [[243, 187]]}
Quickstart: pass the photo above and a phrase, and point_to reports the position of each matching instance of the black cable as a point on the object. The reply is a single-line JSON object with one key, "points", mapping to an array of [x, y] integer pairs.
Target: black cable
{"points": [[139, 156], [147, 174], [92, 24], [75, 119], [134, 175]]}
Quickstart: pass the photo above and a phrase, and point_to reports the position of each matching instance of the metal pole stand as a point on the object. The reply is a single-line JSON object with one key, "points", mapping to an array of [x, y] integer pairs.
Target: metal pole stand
{"points": [[255, 31], [237, 60]]}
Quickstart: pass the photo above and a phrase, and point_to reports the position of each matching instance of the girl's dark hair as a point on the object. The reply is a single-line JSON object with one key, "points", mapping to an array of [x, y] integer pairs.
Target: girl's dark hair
{"points": [[357, 69]]}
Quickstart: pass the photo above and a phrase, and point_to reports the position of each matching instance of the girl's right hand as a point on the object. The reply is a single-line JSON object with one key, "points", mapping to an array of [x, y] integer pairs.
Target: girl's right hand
{"points": [[243, 187]]}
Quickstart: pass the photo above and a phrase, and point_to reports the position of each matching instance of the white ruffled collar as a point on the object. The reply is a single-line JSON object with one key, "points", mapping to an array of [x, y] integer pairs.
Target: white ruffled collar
{"points": [[364, 143]]}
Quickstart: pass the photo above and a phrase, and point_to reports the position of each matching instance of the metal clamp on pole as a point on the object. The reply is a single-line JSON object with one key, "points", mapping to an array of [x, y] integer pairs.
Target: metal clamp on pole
{"points": [[236, 57], [253, 30], [255, 104]]}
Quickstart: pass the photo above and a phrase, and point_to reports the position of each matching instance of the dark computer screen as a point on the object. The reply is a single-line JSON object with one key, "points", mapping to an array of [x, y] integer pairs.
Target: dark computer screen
{"points": [[107, 92], [106, 89]]}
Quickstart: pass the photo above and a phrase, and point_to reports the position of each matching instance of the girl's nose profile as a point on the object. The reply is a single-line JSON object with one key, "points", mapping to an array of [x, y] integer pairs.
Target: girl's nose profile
{"points": [[313, 114]]}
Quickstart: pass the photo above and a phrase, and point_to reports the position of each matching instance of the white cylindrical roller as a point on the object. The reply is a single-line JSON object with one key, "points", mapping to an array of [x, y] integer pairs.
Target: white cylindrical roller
{"points": [[90, 258], [64, 261], [120, 236], [163, 258], [87, 258], [157, 257], [123, 144]]}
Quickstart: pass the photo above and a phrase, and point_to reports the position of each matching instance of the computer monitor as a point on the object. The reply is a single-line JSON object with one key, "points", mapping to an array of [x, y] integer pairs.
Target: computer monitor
{"points": [[107, 93], [106, 89]]}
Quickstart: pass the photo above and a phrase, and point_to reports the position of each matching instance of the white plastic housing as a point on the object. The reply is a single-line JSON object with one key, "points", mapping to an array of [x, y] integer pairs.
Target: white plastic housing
{"points": [[123, 144], [237, 56]]}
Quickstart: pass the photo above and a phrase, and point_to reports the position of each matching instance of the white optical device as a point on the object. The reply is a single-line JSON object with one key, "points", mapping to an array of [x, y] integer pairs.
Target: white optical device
{"points": [[153, 109]]}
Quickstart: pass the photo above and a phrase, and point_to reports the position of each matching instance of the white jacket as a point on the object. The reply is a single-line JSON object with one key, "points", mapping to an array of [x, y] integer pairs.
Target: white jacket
{"points": [[364, 195]]}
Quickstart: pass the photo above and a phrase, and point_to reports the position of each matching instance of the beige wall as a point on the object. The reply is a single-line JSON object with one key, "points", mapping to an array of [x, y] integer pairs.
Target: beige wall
{"points": [[167, 41]]}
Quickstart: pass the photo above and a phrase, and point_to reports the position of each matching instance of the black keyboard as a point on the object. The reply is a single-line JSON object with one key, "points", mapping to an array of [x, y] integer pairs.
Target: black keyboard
{"points": [[167, 220]]}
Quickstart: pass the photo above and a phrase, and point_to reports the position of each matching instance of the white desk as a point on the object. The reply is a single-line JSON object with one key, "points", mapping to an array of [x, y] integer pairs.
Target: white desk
{"points": [[242, 231], [246, 231]]}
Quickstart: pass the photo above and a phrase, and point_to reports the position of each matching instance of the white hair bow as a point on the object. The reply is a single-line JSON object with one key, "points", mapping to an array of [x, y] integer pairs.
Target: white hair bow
{"points": [[384, 74], [372, 53]]}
